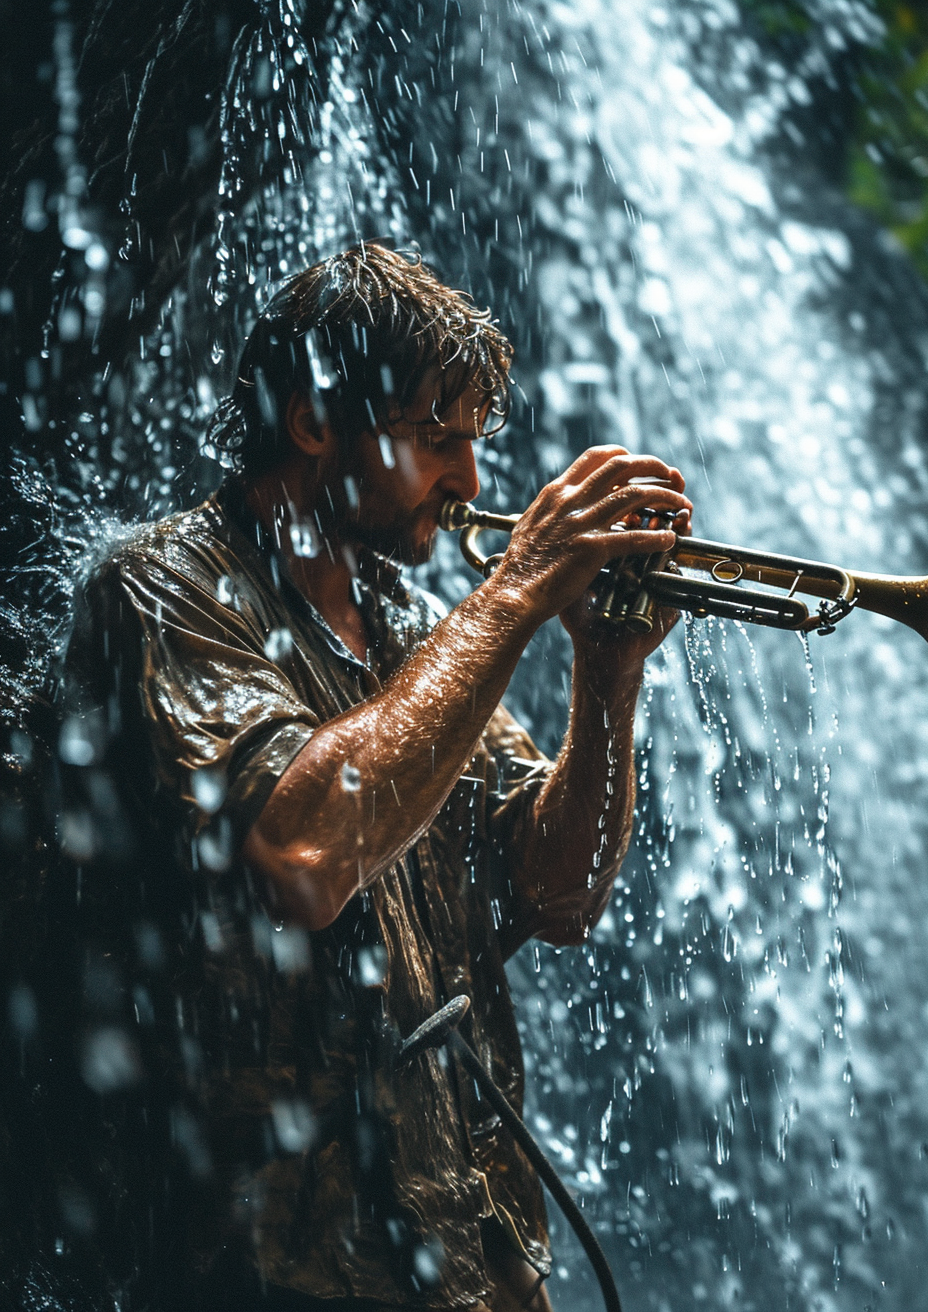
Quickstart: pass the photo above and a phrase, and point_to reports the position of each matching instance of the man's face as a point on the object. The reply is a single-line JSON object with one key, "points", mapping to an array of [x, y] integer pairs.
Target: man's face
{"points": [[401, 478]]}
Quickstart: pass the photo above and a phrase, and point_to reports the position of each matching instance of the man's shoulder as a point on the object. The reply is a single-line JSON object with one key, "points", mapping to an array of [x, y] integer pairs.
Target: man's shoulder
{"points": [[127, 569], [192, 544]]}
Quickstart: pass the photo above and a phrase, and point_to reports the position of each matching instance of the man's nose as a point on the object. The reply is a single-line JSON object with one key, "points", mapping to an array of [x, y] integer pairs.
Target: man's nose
{"points": [[460, 478]]}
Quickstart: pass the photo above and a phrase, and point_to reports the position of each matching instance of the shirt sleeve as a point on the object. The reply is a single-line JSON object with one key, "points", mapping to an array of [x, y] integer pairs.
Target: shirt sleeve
{"points": [[222, 719]]}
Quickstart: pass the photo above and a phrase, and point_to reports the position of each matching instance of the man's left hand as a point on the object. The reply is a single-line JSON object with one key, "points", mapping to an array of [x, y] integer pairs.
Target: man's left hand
{"points": [[593, 635]]}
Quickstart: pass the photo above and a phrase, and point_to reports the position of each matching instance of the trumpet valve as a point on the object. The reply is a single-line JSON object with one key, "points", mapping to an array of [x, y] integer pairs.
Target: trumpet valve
{"points": [[640, 618], [614, 592]]}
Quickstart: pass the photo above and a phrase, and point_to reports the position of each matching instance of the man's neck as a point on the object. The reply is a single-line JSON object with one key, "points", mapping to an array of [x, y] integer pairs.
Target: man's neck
{"points": [[327, 583], [324, 577]]}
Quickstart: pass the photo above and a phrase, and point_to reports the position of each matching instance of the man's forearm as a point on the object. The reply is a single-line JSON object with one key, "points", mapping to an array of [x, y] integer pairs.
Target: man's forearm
{"points": [[583, 817], [371, 780]]}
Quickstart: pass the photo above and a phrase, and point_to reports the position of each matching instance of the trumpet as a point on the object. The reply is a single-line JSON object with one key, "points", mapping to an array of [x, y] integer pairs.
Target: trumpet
{"points": [[628, 591]]}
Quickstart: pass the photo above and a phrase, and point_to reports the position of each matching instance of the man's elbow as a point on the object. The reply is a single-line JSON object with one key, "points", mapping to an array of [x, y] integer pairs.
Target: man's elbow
{"points": [[301, 889], [570, 924], [304, 901]]}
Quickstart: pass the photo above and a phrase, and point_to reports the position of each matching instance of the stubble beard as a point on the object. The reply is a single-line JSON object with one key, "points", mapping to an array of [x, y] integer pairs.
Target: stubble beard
{"points": [[404, 540], [397, 541]]}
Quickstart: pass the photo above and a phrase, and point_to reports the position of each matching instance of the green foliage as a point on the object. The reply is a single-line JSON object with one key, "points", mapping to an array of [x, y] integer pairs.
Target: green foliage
{"points": [[887, 170], [886, 147], [779, 18]]}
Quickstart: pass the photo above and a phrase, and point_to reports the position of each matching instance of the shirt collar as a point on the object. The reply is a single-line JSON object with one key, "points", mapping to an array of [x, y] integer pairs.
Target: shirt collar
{"points": [[377, 580]]}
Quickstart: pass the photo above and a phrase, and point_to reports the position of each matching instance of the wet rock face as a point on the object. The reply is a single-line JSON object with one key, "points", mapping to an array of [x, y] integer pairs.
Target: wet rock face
{"points": [[127, 102]]}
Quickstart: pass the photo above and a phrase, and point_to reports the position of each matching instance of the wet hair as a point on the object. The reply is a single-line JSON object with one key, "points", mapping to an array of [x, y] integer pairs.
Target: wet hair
{"points": [[357, 334]]}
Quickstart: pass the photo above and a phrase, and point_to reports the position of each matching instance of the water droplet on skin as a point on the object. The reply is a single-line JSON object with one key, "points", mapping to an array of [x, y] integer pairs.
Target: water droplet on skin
{"points": [[304, 539], [350, 778]]}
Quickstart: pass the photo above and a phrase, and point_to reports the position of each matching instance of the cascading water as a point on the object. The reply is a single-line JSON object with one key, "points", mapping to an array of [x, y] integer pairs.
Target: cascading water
{"points": [[730, 1073], [738, 1026]]}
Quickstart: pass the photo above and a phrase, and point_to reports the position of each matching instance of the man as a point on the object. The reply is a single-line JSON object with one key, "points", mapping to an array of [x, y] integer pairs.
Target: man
{"points": [[356, 830]]}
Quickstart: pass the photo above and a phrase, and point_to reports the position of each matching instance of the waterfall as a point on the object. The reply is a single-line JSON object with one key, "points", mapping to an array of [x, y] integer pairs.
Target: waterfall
{"points": [[725, 1077]]}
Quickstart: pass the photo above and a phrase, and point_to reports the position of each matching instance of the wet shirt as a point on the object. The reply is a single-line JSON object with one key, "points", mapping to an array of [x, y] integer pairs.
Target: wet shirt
{"points": [[352, 1175]]}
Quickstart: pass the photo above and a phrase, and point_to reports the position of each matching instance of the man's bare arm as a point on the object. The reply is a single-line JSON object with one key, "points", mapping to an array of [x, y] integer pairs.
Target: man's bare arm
{"points": [[582, 821], [371, 780]]}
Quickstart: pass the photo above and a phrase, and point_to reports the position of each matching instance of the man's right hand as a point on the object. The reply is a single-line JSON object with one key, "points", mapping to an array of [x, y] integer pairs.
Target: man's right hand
{"points": [[585, 518]]}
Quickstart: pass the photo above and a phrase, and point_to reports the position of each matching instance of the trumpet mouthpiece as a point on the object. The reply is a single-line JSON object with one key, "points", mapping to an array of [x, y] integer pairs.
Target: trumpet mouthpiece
{"points": [[454, 514]]}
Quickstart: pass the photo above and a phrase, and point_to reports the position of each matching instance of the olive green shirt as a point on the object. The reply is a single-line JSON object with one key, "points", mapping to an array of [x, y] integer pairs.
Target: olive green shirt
{"points": [[350, 1176]]}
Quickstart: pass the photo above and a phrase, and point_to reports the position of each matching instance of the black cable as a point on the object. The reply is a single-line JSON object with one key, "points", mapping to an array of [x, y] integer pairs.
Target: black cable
{"points": [[441, 1029]]}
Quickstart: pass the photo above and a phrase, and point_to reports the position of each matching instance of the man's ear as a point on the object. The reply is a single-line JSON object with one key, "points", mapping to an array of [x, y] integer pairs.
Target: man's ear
{"points": [[308, 433]]}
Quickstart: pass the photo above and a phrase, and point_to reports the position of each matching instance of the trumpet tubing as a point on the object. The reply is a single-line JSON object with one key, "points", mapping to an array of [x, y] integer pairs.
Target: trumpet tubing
{"points": [[899, 597], [628, 592]]}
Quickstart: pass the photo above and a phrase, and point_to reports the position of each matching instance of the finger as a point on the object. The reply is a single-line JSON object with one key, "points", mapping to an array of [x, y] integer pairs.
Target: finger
{"points": [[620, 541], [628, 500], [683, 523], [625, 470], [588, 461]]}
